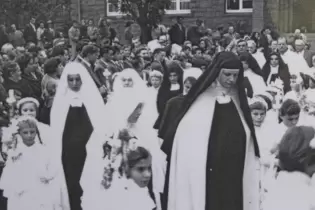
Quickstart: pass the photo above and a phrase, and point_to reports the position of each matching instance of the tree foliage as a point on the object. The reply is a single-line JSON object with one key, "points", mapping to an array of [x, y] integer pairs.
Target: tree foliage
{"points": [[143, 11], [147, 13], [38, 8]]}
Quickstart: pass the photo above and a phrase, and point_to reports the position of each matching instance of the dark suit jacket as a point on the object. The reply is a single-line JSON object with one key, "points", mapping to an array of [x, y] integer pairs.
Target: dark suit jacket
{"points": [[30, 34], [90, 69], [177, 35], [308, 57]]}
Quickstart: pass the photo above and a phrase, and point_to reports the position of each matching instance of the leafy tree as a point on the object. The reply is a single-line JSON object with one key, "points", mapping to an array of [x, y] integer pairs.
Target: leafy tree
{"points": [[147, 13], [10, 10]]}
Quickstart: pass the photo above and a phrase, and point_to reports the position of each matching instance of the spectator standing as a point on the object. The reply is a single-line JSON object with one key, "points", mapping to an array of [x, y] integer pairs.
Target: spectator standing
{"points": [[30, 32], [16, 37], [178, 32], [74, 35], [39, 33], [195, 33], [3, 36]]}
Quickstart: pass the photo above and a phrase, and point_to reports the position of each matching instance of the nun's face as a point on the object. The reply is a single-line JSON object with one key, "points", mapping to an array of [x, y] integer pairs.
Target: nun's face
{"points": [[74, 82], [228, 77], [274, 60], [173, 78], [127, 82]]}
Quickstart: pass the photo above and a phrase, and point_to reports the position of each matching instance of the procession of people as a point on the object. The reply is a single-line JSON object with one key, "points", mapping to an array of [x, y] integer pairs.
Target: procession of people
{"points": [[196, 119]]}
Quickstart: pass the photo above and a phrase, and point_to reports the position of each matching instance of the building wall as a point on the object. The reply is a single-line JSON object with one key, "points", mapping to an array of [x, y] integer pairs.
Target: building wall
{"points": [[211, 11]]}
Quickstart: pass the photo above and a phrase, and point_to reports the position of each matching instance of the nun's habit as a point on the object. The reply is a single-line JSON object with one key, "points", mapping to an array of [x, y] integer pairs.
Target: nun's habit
{"points": [[210, 168], [76, 120], [168, 90], [281, 71]]}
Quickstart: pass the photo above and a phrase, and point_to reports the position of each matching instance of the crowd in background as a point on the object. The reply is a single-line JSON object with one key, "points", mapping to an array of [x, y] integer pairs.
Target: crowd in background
{"points": [[279, 81]]}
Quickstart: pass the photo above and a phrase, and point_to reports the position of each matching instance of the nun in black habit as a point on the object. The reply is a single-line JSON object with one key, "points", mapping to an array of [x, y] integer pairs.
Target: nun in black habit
{"points": [[77, 119], [275, 68], [211, 145], [171, 87]]}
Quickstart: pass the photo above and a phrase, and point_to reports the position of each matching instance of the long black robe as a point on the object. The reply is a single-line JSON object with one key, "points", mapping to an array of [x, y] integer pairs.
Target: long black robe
{"points": [[225, 161], [77, 131]]}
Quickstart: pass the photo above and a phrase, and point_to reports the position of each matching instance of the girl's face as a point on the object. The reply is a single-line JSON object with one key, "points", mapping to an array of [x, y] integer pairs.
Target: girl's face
{"points": [[74, 82], [173, 78], [274, 60], [28, 109], [127, 82], [141, 173], [156, 82], [187, 86], [290, 120], [245, 65], [90, 22], [228, 77], [258, 117], [28, 135]]}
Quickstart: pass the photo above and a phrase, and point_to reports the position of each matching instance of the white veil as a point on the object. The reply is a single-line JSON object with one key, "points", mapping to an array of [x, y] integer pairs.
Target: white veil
{"points": [[124, 100], [91, 98]]}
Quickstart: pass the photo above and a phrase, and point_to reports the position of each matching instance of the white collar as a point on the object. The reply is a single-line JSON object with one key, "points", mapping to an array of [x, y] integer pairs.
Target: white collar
{"points": [[75, 99], [175, 86]]}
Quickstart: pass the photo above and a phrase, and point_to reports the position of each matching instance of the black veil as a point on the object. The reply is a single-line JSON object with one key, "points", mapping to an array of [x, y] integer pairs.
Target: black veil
{"points": [[222, 60]]}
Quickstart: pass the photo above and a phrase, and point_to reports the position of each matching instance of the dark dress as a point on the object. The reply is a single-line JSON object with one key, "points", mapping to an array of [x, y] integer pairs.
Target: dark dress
{"points": [[225, 162], [77, 131]]}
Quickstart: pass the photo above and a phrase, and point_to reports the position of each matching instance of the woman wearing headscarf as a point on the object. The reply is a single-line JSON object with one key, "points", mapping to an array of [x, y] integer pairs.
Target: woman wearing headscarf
{"points": [[171, 86], [276, 68], [221, 171], [77, 121]]}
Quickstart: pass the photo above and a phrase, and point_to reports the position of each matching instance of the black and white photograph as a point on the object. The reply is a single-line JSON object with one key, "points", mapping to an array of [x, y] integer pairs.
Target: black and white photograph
{"points": [[157, 104]]}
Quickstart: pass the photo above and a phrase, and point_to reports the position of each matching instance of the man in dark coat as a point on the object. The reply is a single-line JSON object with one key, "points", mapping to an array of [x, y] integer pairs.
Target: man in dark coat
{"points": [[178, 32], [30, 32], [195, 33], [88, 58]]}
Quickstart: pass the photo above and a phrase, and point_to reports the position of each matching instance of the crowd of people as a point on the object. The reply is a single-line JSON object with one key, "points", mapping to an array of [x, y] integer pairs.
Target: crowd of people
{"points": [[195, 119]]}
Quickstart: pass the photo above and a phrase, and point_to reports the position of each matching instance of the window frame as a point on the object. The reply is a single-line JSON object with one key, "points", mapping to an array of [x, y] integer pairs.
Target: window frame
{"points": [[240, 10], [178, 10], [112, 14], [167, 12]]}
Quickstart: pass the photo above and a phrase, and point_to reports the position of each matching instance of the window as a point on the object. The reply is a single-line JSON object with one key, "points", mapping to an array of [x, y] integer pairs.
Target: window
{"points": [[234, 6], [112, 10], [179, 7]]}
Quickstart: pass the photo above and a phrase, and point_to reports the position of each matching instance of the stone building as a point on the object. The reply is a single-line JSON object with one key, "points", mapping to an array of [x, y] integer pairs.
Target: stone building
{"points": [[246, 15]]}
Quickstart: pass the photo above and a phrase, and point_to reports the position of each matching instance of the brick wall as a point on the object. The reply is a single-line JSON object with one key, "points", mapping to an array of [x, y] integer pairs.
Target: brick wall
{"points": [[211, 11]]}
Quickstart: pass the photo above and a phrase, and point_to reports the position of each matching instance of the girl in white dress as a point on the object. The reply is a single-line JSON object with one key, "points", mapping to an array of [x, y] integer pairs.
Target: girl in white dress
{"points": [[266, 142], [292, 189], [128, 180], [29, 177]]}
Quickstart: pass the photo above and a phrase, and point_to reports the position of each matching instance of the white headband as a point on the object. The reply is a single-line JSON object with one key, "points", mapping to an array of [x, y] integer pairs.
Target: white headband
{"points": [[26, 100]]}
